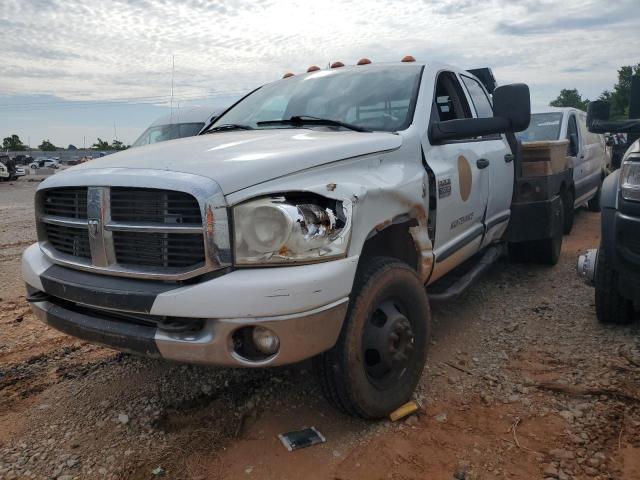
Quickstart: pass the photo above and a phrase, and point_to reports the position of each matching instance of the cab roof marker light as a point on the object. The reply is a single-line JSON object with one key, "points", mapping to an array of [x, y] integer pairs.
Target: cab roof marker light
{"points": [[337, 65], [313, 68], [364, 61], [408, 59], [287, 75]]}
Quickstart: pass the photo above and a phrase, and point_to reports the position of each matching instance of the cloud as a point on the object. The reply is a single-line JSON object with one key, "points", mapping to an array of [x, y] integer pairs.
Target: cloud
{"points": [[103, 50]]}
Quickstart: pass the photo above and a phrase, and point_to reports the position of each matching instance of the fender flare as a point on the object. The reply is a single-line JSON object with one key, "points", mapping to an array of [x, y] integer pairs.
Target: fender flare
{"points": [[609, 192]]}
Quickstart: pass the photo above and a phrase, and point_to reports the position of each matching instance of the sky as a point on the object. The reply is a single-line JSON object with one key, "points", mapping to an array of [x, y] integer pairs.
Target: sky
{"points": [[75, 70]]}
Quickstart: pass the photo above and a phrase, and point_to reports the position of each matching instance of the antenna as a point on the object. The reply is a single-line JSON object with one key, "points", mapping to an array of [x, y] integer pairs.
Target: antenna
{"points": [[115, 132], [173, 68]]}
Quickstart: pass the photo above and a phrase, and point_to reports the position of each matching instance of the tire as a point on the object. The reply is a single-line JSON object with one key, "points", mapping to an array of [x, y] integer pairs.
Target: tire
{"points": [[594, 203], [569, 211], [546, 251], [611, 307], [362, 375]]}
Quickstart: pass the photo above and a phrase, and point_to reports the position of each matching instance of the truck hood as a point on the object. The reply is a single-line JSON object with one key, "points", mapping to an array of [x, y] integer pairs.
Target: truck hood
{"points": [[238, 160]]}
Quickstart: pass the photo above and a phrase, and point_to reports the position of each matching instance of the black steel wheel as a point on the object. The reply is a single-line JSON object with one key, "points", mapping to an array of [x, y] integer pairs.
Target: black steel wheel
{"points": [[378, 359]]}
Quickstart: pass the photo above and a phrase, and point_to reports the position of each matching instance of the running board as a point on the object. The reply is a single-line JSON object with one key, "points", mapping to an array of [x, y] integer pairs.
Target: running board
{"points": [[456, 289]]}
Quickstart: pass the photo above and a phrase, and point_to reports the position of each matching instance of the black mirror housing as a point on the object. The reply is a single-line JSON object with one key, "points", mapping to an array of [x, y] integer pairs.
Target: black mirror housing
{"points": [[511, 113], [513, 102], [597, 110]]}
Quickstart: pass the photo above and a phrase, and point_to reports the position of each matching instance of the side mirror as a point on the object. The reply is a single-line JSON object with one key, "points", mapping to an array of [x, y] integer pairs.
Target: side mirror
{"points": [[511, 113], [597, 110]]}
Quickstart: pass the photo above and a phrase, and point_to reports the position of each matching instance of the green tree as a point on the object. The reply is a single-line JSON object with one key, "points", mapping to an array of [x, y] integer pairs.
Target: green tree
{"points": [[47, 146], [101, 145], [13, 143], [619, 97], [118, 145], [570, 97]]}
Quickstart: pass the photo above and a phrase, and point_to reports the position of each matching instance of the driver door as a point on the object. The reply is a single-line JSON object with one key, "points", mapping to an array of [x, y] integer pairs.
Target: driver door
{"points": [[461, 182]]}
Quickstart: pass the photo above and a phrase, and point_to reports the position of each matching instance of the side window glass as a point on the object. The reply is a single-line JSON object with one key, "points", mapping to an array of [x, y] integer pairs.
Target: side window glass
{"points": [[572, 136], [478, 97], [449, 99]]}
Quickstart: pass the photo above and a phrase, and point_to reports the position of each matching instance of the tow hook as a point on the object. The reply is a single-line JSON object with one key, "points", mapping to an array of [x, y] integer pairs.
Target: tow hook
{"points": [[586, 266]]}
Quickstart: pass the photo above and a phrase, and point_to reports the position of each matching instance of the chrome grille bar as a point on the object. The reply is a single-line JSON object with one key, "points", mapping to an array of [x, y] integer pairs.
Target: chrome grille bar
{"points": [[142, 225]]}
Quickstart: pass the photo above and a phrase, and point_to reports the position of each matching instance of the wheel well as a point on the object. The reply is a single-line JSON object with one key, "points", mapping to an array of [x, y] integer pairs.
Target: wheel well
{"points": [[394, 241]]}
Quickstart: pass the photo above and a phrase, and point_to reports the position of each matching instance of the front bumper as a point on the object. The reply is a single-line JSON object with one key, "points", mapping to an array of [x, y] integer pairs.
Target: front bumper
{"points": [[304, 306]]}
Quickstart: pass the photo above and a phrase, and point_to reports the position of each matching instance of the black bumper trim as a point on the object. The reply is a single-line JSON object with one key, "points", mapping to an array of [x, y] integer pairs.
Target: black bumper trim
{"points": [[128, 337], [101, 290]]}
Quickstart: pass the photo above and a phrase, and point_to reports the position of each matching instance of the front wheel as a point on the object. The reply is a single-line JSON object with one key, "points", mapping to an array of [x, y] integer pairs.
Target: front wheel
{"points": [[611, 307], [378, 359]]}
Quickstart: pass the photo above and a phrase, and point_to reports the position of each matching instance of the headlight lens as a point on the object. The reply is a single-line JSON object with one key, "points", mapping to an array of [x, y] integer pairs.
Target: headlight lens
{"points": [[630, 179], [290, 229]]}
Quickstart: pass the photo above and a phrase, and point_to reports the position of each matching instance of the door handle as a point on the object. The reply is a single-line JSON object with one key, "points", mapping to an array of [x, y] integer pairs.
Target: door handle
{"points": [[482, 163]]}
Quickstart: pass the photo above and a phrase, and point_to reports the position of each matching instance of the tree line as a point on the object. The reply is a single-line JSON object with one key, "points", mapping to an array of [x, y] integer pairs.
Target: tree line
{"points": [[618, 97], [13, 143]]}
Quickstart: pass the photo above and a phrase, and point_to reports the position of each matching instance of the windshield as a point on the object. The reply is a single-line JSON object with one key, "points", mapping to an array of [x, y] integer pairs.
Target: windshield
{"points": [[161, 133], [543, 126], [372, 97]]}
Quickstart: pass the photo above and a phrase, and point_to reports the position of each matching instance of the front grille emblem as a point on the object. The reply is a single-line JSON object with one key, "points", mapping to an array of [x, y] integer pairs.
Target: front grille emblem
{"points": [[94, 228]]}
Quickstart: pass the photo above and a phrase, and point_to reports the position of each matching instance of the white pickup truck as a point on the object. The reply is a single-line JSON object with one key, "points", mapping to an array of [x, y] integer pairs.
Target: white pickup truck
{"points": [[586, 150], [306, 222]]}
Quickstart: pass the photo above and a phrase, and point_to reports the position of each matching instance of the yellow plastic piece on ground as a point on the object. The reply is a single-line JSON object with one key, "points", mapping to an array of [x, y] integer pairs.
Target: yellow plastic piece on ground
{"points": [[403, 411]]}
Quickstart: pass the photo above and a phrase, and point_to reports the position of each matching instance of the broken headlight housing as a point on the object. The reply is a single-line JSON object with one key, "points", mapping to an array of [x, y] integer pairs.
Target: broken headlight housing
{"points": [[630, 179], [291, 228]]}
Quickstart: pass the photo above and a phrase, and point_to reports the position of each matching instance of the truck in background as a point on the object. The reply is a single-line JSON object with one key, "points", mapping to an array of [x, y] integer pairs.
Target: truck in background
{"points": [[614, 268], [586, 151], [184, 123]]}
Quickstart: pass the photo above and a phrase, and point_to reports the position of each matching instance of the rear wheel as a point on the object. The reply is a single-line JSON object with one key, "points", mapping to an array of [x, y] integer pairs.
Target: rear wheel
{"points": [[545, 251], [378, 359], [611, 307], [594, 203], [569, 211]]}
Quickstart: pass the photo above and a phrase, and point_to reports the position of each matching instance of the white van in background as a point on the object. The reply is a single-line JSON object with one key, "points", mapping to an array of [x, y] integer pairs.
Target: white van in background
{"points": [[587, 151], [182, 123]]}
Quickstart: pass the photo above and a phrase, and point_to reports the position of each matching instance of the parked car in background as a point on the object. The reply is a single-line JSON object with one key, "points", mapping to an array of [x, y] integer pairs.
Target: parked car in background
{"points": [[587, 151], [44, 162], [183, 123], [8, 169]]}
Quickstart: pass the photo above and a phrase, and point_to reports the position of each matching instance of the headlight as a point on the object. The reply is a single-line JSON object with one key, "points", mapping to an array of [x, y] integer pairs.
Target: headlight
{"points": [[294, 228], [630, 179]]}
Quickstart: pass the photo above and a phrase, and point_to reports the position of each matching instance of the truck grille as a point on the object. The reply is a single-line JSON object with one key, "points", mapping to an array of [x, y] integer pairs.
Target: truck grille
{"points": [[156, 233], [72, 241], [158, 249], [66, 202], [159, 206]]}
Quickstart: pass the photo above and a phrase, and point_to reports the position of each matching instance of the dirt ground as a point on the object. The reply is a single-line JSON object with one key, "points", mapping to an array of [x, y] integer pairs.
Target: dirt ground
{"points": [[521, 383]]}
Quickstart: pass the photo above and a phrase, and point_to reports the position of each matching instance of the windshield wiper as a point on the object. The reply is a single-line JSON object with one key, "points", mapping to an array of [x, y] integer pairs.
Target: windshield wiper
{"points": [[300, 120], [227, 127]]}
